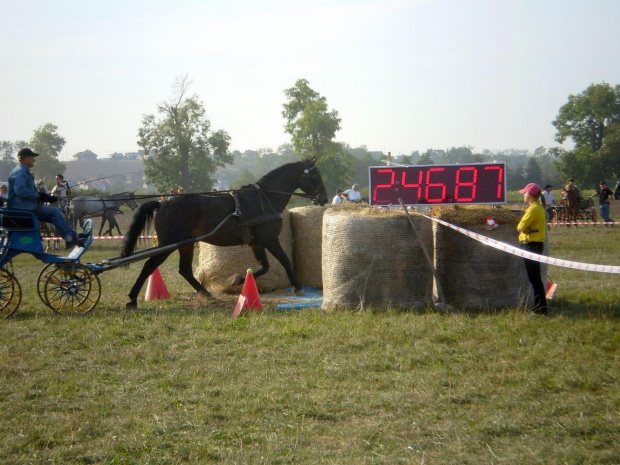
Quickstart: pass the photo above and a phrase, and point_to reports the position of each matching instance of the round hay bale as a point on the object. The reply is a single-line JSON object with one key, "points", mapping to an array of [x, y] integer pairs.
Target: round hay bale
{"points": [[372, 258], [474, 275], [218, 265], [307, 226]]}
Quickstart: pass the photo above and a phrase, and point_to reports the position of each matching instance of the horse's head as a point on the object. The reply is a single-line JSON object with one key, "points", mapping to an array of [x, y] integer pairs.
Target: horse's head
{"points": [[131, 201], [311, 182], [41, 187]]}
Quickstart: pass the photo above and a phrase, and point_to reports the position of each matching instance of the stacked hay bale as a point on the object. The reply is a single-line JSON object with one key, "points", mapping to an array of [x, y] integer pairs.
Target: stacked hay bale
{"points": [[307, 226], [371, 258], [218, 265], [474, 275]]}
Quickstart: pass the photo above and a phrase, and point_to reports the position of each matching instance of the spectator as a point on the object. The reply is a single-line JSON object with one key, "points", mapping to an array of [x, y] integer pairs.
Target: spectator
{"points": [[4, 196], [605, 195], [549, 201], [354, 193], [532, 234], [338, 197]]}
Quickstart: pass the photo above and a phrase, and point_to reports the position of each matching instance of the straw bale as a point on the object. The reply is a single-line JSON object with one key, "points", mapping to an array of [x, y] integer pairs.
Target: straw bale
{"points": [[371, 257], [474, 275], [307, 226], [218, 265]]}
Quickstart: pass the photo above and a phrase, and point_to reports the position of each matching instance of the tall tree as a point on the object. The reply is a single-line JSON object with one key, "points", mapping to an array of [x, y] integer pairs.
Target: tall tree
{"points": [[184, 151], [48, 144], [313, 129], [7, 158], [533, 172], [592, 120]]}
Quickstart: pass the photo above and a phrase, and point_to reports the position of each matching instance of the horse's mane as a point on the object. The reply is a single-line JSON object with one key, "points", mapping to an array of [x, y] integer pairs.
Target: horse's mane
{"points": [[273, 174]]}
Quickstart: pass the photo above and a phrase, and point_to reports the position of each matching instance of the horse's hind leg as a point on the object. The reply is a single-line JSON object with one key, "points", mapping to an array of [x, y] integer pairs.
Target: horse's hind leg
{"points": [[186, 256], [149, 266]]}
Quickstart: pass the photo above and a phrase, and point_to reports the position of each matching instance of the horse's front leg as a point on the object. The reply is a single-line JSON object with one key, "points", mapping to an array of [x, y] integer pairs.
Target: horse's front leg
{"points": [[275, 248], [186, 256]]}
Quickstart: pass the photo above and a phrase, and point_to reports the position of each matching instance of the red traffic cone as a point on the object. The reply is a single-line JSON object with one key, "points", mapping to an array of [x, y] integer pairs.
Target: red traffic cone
{"points": [[250, 292], [551, 287], [249, 298], [156, 288]]}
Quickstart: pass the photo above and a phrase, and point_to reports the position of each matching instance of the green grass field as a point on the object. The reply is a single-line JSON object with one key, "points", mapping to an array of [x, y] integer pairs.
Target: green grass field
{"points": [[180, 381]]}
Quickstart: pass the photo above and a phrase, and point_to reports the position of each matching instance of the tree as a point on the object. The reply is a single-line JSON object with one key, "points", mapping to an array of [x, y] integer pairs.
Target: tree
{"points": [[185, 152], [426, 159], [245, 177], [313, 128], [363, 160], [592, 120], [48, 144], [533, 172]]}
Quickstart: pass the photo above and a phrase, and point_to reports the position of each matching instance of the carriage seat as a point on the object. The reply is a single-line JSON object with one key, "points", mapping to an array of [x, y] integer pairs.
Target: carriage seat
{"points": [[18, 220]]}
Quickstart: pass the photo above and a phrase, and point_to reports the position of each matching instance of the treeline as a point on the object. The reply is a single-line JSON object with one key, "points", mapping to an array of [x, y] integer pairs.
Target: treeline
{"points": [[522, 166]]}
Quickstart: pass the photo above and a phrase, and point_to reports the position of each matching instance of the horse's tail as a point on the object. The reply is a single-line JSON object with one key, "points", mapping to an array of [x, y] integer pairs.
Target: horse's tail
{"points": [[141, 219]]}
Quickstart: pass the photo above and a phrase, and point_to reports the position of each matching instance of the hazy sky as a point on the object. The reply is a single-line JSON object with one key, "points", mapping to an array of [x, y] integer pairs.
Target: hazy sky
{"points": [[404, 75]]}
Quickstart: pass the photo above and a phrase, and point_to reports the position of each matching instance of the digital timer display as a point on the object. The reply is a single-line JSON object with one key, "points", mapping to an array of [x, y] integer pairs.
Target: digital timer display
{"points": [[475, 183]]}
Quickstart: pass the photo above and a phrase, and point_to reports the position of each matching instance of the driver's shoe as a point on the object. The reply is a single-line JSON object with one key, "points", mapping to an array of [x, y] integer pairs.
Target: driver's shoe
{"points": [[76, 241]]}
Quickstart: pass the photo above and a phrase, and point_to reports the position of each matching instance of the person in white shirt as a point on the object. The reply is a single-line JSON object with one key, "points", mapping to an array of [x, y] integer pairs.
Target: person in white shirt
{"points": [[550, 202], [63, 192], [354, 193], [338, 197]]}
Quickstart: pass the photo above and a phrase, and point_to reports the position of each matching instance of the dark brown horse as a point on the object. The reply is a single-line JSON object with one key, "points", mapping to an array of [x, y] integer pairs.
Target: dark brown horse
{"points": [[252, 215], [571, 199]]}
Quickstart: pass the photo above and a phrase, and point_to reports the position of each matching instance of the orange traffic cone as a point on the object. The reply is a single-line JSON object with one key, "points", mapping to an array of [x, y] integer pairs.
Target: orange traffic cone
{"points": [[156, 288], [249, 298]]}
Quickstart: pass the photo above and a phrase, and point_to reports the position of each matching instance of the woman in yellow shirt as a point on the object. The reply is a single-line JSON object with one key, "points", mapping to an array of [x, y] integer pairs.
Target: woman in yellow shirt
{"points": [[532, 233]]}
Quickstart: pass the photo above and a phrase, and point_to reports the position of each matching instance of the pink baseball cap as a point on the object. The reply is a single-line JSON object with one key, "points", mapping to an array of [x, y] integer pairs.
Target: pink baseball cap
{"points": [[532, 188]]}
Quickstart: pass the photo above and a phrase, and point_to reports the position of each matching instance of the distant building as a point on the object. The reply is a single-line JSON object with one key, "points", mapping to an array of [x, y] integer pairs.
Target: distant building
{"points": [[85, 155]]}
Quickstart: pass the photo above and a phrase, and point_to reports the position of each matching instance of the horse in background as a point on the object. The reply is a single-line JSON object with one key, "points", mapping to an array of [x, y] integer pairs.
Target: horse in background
{"points": [[571, 200], [109, 205], [251, 215], [47, 229]]}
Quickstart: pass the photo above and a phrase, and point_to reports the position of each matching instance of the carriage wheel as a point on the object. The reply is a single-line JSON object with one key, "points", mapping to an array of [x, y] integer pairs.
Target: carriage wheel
{"points": [[10, 293], [72, 288], [42, 279]]}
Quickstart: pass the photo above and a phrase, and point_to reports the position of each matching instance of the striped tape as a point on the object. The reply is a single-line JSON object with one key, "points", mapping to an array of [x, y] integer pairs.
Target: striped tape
{"points": [[529, 255], [583, 223]]}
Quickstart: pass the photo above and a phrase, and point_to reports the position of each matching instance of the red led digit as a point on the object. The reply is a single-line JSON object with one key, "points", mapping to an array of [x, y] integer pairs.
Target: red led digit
{"points": [[500, 178], [470, 184], [430, 184], [384, 186], [414, 184]]}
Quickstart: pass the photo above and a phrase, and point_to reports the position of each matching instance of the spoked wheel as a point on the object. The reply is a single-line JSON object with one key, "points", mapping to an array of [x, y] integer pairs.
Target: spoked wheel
{"points": [[10, 293], [42, 280], [71, 288]]}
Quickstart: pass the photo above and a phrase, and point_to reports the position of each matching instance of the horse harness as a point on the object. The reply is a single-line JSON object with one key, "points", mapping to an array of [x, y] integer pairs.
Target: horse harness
{"points": [[265, 217]]}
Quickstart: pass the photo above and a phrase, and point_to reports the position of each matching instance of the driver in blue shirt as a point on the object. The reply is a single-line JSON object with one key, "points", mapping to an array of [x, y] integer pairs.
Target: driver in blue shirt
{"points": [[23, 195]]}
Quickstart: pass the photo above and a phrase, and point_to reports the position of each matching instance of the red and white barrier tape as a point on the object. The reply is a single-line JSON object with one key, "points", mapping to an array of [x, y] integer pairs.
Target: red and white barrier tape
{"points": [[532, 256], [582, 223]]}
